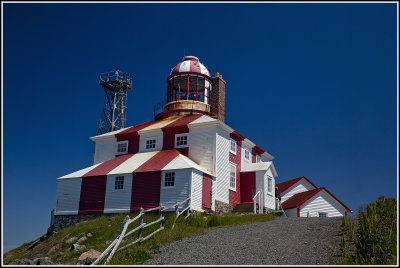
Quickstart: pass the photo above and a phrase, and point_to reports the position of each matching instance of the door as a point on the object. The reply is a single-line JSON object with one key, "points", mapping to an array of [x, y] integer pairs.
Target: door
{"points": [[145, 190], [93, 193], [247, 187], [207, 191]]}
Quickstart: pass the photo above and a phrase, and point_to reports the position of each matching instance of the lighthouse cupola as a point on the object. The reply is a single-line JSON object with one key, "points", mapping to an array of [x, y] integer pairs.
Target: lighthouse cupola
{"points": [[189, 89]]}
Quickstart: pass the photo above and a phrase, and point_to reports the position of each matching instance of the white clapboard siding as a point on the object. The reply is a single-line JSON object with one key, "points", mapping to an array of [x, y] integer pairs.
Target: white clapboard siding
{"points": [[269, 197], [181, 190], [322, 202], [201, 146], [196, 193], [68, 196], [118, 201], [221, 183], [300, 186], [157, 135], [105, 149], [292, 212]]}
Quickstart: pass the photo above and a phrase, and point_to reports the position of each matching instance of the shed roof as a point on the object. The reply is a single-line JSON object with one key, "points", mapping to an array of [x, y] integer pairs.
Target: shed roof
{"points": [[283, 186], [297, 200], [140, 162]]}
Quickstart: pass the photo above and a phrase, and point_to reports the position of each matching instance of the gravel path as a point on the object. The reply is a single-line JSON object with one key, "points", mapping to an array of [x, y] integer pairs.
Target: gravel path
{"points": [[284, 241]]}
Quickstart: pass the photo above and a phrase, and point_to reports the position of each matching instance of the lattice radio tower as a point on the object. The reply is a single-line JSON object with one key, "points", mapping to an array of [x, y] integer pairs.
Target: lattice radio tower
{"points": [[116, 85]]}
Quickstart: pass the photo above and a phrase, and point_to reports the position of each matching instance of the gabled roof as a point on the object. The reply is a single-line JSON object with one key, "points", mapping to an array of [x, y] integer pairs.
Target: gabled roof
{"points": [[283, 186], [181, 121], [141, 162], [297, 200]]}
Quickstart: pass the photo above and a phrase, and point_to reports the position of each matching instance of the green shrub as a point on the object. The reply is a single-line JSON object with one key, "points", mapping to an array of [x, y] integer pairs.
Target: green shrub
{"points": [[375, 240]]}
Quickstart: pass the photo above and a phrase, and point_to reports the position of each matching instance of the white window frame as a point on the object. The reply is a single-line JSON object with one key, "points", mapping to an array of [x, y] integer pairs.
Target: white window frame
{"points": [[230, 148], [326, 213], [115, 183], [258, 159], [230, 173], [164, 180], [120, 143], [148, 139], [181, 135], [269, 189], [249, 159]]}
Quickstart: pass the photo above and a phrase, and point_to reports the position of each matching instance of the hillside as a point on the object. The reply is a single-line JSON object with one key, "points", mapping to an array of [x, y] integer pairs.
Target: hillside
{"points": [[67, 245]]}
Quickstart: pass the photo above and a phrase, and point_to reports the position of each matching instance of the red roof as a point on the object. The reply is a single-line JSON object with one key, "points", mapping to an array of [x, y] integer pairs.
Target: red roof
{"points": [[283, 186], [297, 200]]}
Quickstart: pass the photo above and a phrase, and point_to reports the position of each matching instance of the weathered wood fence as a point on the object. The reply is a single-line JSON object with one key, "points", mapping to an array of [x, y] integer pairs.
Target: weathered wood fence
{"points": [[113, 247]]}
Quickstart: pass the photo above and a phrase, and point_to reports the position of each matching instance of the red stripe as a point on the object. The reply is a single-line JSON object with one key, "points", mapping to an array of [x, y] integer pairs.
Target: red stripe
{"points": [[158, 161], [107, 166], [298, 212], [145, 190], [257, 150], [236, 136], [131, 134], [179, 126], [93, 194]]}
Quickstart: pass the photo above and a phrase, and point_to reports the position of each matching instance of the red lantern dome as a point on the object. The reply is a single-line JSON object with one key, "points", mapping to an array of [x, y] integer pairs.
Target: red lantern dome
{"points": [[190, 64]]}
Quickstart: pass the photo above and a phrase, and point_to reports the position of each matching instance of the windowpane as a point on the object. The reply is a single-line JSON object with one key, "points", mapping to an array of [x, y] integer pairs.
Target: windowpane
{"points": [[181, 140], [121, 147], [119, 183], [232, 182], [150, 144], [169, 179], [233, 146]]}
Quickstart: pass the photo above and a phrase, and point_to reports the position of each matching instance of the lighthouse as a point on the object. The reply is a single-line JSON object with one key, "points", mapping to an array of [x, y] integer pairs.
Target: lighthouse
{"points": [[192, 90]]}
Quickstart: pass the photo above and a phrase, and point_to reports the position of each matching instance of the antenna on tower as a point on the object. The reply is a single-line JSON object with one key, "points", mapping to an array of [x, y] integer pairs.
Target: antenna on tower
{"points": [[116, 85]]}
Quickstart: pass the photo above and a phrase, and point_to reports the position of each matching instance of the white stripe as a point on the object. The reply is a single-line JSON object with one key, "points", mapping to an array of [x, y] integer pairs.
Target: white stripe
{"points": [[160, 124], [204, 69], [202, 119], [132, 163], [182, 162], [79, 173], [185, 66]]}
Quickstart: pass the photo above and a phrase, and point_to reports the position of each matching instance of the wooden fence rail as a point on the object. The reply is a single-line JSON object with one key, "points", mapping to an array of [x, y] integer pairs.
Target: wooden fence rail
{"points": [[113, 247]]}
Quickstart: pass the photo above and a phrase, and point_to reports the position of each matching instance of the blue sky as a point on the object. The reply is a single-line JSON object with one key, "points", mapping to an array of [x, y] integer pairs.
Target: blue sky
{"points": [[312, 84]]}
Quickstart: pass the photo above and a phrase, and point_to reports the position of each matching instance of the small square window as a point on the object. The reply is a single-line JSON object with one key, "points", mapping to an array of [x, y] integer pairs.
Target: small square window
{"points": [[233, 147], [181, 141], [232, 181], [122, 147], [322, 214], [150, 144], [247, 155], [119, 183], [169, 179]]}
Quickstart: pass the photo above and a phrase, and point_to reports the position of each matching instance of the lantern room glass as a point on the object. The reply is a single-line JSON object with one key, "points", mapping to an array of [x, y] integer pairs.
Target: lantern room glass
{"points": [[189, 87]]}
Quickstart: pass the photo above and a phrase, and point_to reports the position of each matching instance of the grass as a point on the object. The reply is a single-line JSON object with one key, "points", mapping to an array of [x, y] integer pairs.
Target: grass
{"points": [[104, 228]]}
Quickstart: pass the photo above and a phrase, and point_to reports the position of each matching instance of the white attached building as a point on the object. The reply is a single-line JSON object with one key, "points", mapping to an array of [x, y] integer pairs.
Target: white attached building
{"points": [[301, 198]]}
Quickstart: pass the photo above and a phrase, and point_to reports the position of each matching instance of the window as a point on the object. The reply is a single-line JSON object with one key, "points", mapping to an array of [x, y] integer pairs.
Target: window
{"points": [[150, 143], [181, 140], [269, 184], [233, 147], [119, 183], [122, 147], [232, 181], [246, 155], [322, 214], [169, 179], [258, 159]]}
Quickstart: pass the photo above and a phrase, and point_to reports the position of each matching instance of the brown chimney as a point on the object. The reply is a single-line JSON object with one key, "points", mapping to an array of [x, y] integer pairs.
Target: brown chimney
{"points": [[218, 96]]}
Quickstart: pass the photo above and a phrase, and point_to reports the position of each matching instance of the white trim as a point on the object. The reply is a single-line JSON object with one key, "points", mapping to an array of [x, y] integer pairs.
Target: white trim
{"points": [[181, 135], [230, 170], [121, 142]]}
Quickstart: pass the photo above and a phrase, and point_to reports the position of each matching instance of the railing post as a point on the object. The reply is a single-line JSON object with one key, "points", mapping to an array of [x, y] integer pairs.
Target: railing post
{"points": [[176, 215], [187, 212], [140, 223], [160, 216]]}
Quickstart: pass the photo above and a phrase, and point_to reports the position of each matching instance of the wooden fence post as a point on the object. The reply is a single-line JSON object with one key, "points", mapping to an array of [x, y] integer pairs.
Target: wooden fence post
{"points": [[140, 223], [176, 215], [188, 212], [160, 216]]}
